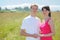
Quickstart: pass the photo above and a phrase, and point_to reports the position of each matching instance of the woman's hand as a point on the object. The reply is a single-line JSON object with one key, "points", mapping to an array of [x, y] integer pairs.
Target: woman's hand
{"points": [[46, 35]]}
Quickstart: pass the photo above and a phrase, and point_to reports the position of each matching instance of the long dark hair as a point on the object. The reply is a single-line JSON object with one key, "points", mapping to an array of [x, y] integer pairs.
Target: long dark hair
{"points": [[47, 8]]}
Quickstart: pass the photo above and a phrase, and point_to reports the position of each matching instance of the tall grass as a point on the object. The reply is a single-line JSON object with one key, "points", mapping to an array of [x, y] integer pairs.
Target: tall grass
{"points": [[10, 24]]}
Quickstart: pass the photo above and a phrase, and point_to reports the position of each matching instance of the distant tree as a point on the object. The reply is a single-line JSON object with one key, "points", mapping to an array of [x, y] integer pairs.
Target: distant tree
{"points": [[6, 9], [58, 11], [18, 8], [26, 8], [39, 9], [0, 9]]}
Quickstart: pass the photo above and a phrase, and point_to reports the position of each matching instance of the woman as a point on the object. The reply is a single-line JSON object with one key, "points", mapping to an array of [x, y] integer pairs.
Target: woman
{"points": [[47, 26]]}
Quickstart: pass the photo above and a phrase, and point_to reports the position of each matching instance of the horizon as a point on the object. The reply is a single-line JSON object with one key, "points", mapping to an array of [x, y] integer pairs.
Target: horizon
{"points": [[54, 4], [52, 7]]}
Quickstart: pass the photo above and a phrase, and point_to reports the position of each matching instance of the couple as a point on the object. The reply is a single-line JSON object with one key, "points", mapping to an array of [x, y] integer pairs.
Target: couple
{"points": [[34, 29]]}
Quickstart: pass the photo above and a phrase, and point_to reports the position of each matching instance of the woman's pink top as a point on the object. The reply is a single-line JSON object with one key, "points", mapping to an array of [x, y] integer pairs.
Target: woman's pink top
{"points": [[45, 29]]}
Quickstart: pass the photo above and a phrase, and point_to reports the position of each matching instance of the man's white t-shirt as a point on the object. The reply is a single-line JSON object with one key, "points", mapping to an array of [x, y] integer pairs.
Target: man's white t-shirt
{"points": [[30, 24]]}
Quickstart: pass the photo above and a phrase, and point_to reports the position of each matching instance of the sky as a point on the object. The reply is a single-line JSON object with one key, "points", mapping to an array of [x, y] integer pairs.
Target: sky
{"points": [[15, 3]]}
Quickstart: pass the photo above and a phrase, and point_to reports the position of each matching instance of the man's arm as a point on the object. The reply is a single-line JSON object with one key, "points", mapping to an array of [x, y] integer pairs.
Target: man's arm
{"points": [[23, 30], [23, 33]]}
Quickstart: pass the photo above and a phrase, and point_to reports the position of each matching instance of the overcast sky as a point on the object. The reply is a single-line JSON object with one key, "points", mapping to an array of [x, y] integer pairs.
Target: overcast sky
{"points": [[13, 3]]}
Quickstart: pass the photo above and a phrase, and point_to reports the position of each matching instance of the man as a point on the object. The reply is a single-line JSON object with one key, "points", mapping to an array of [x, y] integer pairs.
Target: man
{"points": [[30, 27]]}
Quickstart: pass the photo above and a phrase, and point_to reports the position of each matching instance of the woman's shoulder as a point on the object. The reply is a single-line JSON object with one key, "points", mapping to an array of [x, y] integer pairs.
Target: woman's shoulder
{"points": [[50, 21]]}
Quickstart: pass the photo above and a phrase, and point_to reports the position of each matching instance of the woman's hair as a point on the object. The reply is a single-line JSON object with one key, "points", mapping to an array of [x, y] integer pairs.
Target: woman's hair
{"points": [[47, 8]]}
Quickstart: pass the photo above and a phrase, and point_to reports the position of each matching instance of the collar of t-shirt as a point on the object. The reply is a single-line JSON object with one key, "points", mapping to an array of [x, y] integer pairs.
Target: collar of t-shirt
{"points": [[32, 16]]}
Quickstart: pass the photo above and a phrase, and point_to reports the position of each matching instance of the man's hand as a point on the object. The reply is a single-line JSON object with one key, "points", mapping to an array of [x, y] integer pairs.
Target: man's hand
{"points": [[35, 35], [41, 35], [23, 33]]}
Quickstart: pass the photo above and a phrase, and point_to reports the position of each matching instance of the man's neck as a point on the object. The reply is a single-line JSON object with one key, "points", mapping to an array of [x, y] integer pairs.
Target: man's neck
{"points": [[33, 15]]}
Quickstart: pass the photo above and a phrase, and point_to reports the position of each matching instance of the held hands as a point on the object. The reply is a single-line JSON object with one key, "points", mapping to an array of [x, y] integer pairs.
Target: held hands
{"points": [[38, 35], [35, 35], [41, 35]]}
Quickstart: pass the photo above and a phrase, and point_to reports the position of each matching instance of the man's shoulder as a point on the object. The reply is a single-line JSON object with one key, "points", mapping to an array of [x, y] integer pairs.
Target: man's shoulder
{"points": [[26, 17], [37, 18]]}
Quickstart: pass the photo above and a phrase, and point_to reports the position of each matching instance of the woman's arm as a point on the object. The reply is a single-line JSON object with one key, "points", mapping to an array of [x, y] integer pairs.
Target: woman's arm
{"points": [[52, 27]]}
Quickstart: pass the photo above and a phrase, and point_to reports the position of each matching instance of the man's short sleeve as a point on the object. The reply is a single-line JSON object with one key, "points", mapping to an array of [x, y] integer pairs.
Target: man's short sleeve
{"points": [[23, 24], [39, 22]]}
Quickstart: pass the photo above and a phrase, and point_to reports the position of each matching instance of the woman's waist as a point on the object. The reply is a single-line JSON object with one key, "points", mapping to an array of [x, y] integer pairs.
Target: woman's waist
{"points": [[45, 32]]}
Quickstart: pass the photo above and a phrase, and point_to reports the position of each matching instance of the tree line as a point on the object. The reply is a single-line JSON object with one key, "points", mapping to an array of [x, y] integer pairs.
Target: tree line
{"points": [[14, 9]]}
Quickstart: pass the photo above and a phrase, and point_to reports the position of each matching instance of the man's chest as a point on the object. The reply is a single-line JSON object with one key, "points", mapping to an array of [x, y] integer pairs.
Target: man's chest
{"points": [[32, 22]]}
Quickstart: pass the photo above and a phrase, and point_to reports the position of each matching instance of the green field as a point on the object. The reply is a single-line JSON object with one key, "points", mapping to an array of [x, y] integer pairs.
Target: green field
{"points": [[10, 24]]}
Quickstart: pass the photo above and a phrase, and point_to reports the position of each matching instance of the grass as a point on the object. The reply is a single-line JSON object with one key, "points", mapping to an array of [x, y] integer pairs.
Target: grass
{"points": [[10, 24]]}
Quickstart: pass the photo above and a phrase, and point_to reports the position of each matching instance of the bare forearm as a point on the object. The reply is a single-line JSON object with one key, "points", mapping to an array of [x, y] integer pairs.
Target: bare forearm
{"points": [[50, 34], [23, 33], [26, 34]]}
